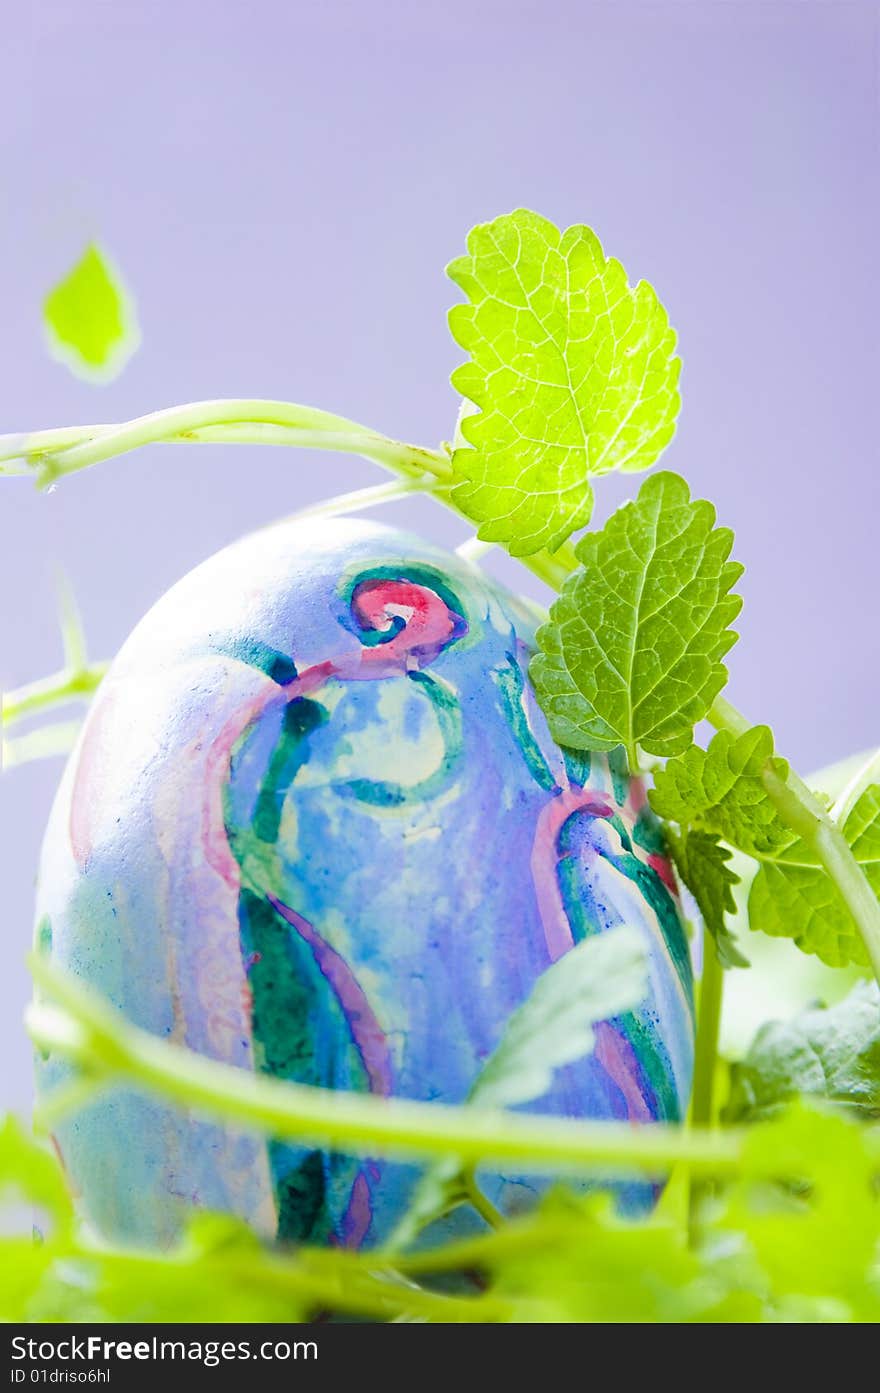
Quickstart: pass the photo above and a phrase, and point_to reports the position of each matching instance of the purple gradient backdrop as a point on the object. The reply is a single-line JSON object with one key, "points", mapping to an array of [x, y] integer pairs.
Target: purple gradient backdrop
{"points": [[283, 185]]}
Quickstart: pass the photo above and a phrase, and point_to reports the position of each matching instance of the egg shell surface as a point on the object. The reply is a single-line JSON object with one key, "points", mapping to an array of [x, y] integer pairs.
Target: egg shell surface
{"points": [[316, 827]]}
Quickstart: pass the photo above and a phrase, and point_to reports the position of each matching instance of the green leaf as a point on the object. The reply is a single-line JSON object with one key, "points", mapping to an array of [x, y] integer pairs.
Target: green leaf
{"points": [[573, 373], [702, 863], [632, 653], [831, 1053], [792, 895], [721, 790], [90, 318], [596, 980]]}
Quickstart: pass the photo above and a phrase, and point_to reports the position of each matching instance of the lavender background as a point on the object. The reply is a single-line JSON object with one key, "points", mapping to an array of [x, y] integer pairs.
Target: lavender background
{"points": [[283, 185]]}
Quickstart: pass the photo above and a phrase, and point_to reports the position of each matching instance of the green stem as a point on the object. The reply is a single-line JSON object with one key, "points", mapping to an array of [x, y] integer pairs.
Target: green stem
{"points": [[46, 742], [52, 454], [804, 814], [359, 500], [235, 420], [516, 1237], [361, 1289], [80, 681], [706, 1051], [705, 1058], [94, 1036], [51, 691], [868, 774], [481, 1203]]}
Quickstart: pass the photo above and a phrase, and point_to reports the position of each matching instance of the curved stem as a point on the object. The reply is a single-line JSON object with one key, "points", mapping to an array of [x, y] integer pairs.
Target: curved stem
{"points": [[236, 420], [359, 500], [804, 814], [473, 549], [481, 1202], [46, 742], [84, 1029], [51, 454], [51, 691], [706, 1053], [79, 681], [868, 774]]}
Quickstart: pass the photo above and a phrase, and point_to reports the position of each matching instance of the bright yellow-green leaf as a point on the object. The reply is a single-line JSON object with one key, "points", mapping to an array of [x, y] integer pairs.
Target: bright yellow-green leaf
{"points": [[90, 318], [573, 372]]}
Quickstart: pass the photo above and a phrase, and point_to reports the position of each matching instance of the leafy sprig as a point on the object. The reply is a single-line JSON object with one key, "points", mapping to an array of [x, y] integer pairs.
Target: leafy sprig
{"points": [[573, 373]]}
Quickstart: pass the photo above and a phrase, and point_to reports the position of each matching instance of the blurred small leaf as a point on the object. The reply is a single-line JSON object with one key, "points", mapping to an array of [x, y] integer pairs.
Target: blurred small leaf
{"points": [[90, 318], [29, 1170]]}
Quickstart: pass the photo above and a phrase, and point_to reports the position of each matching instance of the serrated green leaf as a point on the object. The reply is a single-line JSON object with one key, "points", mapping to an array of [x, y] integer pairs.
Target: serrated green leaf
{"points": [[721, 790], [596, 980], [90, 318], [702, 863], [573, 373], [632, 653], [832, 1053], [792, 895]]}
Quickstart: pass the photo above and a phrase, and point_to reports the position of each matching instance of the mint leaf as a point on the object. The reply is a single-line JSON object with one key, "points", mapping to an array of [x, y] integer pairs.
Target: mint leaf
{"points": [[721, 790], [90, 318], [831, 1053], [701, 861], [793, 895], [632, 653], [573, 373]]}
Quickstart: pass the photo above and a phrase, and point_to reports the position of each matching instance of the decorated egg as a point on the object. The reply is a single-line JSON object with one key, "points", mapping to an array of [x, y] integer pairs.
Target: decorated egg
{"points": [[315, 827]]}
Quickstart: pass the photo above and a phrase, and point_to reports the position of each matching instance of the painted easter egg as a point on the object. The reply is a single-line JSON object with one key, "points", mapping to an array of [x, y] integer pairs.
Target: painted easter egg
{"points": [[316, 827]]}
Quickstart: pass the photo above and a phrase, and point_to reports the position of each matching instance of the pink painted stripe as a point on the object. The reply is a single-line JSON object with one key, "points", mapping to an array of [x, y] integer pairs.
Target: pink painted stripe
{"points": [[617, 1057], [368, 1035], [545, 860]]}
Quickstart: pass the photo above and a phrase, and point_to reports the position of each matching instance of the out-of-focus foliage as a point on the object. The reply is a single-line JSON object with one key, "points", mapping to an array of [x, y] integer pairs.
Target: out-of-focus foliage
{"points": [[800, 1248], [90, 318]]}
